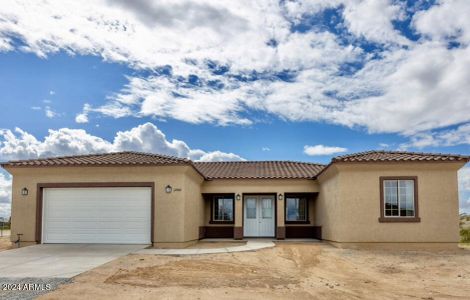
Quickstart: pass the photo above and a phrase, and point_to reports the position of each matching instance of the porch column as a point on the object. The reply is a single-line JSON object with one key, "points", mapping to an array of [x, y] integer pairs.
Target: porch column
{"points": [[238, 226], [281, 228]]}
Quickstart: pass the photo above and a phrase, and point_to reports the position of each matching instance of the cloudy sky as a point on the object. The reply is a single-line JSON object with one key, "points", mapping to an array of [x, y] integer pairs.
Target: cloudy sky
{"points": [[231, 80]]}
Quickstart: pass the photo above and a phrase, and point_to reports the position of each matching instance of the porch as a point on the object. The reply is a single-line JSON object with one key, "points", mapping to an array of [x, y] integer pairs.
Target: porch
{"points": [[271, 215]]}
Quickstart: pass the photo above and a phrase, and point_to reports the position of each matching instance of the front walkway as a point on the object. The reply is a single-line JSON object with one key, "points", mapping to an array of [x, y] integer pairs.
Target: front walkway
{"points": [[251, 245]]}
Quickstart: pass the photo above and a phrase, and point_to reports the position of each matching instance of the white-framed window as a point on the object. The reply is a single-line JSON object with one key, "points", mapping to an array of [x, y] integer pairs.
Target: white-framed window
{"points": [[399, 198]]}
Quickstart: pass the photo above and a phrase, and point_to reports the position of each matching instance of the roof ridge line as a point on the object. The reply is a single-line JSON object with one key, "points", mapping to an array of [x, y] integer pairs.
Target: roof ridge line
{"points": [[259, 161], [99, 154]]}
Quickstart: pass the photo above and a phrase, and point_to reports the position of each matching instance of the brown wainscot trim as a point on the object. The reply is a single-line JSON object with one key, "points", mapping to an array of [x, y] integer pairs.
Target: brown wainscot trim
{"points": [[210, 197], [311, 232], [41, 186], [383, 218], [280, 232], [219, 232], [202, 232], [238, 233]]}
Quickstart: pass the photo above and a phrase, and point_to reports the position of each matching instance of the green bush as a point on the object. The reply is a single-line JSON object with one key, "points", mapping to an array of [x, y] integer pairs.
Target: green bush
{"points": [[465, 235]]}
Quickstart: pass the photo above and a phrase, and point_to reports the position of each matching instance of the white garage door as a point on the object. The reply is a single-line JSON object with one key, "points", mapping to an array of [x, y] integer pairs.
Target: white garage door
{"points": [[117, 215]]}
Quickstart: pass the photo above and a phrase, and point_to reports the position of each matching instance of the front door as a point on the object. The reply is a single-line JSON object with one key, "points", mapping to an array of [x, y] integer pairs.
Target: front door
{"points": [[259, 216]]}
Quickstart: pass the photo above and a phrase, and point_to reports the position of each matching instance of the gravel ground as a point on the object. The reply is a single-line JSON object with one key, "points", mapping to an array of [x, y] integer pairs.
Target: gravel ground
{"points": [[28, 288]]}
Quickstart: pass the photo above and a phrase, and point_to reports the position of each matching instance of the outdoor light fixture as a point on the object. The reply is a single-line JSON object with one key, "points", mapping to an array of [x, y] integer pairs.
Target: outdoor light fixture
{"points": [[168, 189], [280, 197], [24, 191], [238, 197]]}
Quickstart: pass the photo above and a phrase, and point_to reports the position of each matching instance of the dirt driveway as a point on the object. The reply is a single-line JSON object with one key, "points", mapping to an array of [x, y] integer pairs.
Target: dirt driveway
{"points": [[288, 271]]}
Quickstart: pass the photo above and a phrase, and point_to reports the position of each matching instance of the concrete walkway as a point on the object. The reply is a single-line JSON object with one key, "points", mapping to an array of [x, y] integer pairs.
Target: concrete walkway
{"points": [[250, 246], [59, 260]]}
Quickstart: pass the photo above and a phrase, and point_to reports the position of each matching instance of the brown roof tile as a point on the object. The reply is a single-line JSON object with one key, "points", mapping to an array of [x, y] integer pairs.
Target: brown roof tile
{"points": [[384, 156], [258, 170], [105, 159], [234, 170]]}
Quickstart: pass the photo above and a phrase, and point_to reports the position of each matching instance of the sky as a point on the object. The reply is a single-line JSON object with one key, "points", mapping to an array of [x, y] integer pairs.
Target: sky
{"points": [[217, 80]]}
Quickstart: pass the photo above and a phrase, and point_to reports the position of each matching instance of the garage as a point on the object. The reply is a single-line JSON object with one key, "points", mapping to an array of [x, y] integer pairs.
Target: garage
{"points": [[105, 215]]}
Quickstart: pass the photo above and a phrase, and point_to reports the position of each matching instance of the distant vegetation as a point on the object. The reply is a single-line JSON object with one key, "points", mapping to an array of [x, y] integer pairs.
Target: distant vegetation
{"points": [[464, 228]]}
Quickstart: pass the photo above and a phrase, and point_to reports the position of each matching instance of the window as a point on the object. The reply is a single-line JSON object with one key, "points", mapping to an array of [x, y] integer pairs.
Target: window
{"points": [[399, 199], [222, 209], [296, 209], [251, 208], [267, 208]]}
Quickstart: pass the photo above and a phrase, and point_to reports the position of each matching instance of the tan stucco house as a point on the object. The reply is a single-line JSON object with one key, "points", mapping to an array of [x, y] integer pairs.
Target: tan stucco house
{"points": [[129, 197]]}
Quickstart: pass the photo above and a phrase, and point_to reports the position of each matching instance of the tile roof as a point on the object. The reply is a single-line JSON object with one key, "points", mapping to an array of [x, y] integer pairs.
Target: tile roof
{"points": [[234, 170], [105, 159], [259, 170], [384, 156]]}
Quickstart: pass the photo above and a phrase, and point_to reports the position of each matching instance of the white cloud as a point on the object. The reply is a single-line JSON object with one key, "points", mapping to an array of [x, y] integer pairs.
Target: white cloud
{"points": [[36, 108], [452, 17], [51, 92], [5, 194], [265, 149], [214, 156], [50, 113], [406, 88], [464, 189], [322, 150], [464, 178], [457, 136], [372, 19], [81, 118], [65, 141]]}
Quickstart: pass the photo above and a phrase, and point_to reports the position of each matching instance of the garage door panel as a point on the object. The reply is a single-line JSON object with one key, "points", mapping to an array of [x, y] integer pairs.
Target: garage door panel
{"points": [[97, 215]]}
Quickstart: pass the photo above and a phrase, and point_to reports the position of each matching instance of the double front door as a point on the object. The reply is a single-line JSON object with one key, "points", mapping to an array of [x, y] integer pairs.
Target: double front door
{"points": [[259, 216]]}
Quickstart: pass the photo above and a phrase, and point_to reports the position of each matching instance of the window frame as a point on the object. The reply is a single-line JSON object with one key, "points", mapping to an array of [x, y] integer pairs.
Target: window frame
{"points": [[402, 219], [307, 197], [213, 202]]}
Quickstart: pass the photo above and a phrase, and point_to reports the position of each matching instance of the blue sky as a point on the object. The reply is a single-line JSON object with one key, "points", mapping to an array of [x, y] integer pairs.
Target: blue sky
{"points": [[287, 80]]}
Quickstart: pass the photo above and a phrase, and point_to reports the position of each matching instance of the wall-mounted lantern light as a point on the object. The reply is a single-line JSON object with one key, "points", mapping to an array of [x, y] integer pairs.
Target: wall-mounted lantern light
{"points": [[280, 196], [24, 191], [168, 189], [238, 197]]}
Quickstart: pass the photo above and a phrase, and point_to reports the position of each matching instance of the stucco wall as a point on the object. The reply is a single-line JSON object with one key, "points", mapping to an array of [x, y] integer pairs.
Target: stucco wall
{"points": [[327, 205], [194, 205], [349, 205], [169, 208]]}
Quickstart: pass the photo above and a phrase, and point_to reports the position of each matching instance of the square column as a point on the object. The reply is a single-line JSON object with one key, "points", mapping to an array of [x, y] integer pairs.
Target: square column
{"points": [[281, 228], [238, 226]]}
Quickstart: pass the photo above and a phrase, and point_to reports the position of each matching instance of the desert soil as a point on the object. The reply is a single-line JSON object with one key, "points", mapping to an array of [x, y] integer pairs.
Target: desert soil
{"points": [[5, 243], [287, 271]]}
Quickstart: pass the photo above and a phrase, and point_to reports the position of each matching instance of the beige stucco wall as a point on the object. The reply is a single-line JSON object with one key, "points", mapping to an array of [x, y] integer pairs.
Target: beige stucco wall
{"points": [[170, 209], [327, 205], [349, 203], [253, 186], [194, 205]]}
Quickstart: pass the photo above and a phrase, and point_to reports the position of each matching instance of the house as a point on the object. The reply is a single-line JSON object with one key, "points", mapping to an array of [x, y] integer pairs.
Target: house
{"points": [[130, 197]]}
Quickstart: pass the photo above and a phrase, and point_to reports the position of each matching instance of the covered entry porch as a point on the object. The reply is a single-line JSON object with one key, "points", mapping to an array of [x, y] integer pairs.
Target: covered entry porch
{"points": [[277, 209]]}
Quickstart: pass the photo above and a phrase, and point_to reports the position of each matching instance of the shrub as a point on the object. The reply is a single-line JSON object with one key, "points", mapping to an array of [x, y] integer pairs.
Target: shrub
{"points": [[465, 235]]}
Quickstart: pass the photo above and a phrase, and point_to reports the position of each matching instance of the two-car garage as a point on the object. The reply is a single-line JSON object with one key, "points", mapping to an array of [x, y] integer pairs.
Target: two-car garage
{"points": [[100, 214]]}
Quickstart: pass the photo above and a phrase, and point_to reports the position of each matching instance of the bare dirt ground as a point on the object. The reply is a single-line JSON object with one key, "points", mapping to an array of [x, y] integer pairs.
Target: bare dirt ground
{"points": [[5, 243], [288, 271]]}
